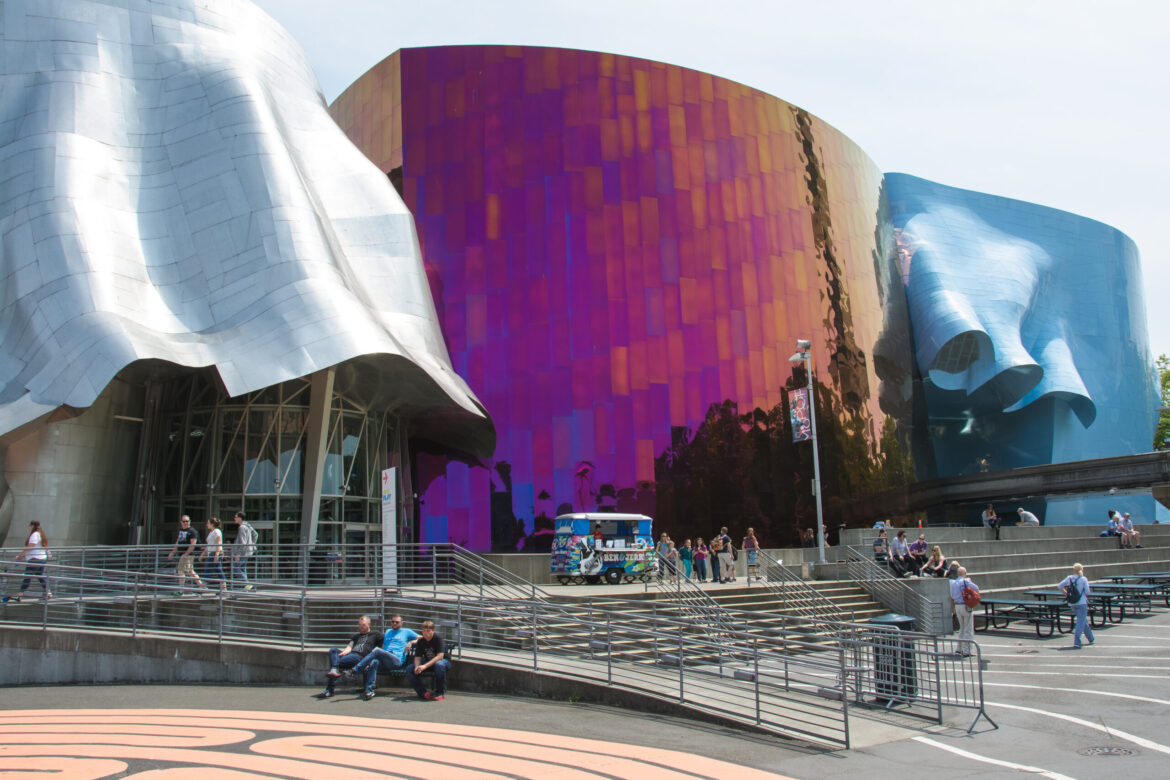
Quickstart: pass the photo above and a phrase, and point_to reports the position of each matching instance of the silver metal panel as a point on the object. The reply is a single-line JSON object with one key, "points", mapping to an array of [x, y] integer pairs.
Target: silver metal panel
{"points": [[173, 188]]}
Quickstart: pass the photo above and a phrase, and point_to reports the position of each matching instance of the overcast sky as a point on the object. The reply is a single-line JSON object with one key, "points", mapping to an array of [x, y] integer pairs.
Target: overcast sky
{"points": [[1060, 103]]}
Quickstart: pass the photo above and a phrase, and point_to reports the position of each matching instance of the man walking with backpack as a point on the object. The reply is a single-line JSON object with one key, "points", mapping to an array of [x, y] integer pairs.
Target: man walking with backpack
{"points": [[965, 594], [242, 549], [1076, 593]]}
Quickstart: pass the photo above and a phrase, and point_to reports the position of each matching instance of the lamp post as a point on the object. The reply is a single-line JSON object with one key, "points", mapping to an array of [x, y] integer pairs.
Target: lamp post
{"points": [[803, 354]]}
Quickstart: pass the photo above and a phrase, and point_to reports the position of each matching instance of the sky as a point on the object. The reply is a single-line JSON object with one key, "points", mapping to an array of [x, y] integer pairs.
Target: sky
{"points": [[1060, 103]]}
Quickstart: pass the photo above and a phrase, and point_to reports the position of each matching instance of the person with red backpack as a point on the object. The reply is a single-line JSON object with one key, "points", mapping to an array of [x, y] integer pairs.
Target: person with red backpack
{"points": [[965, 594]]}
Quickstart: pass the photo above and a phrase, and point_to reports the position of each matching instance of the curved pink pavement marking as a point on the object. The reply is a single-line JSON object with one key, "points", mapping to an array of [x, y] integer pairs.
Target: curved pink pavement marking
{"points": [[94, 744]]}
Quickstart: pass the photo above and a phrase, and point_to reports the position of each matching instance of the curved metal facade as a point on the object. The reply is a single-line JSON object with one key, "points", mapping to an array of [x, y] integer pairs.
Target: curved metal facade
{"points": [[1030, 333], [173, 193], [623, 254], [174, 188]]}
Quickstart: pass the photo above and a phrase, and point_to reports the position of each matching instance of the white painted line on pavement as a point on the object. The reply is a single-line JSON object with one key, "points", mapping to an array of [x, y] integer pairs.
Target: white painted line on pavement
{"points": [[1080, 674], [1079, 691], [997, 762], [1134, 738], [1034, 663]]}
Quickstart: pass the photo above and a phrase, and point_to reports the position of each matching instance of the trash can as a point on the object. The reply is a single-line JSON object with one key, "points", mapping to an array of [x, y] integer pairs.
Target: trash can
{"points": [[318, 566], [894, 674]]}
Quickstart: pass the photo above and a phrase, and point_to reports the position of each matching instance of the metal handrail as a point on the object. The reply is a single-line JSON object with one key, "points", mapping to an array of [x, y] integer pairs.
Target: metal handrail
{"points": [[774, 670], [691, 600], [796, 594], [416, 565], [652, 655], [894, 594]]}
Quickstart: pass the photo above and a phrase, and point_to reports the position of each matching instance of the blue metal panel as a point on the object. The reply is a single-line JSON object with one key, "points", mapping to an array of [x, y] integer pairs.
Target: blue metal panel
{"points": [[1029, 327]]}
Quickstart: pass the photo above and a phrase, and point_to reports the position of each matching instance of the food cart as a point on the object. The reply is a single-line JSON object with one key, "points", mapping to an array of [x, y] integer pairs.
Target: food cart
{"points": [[591, 547]]}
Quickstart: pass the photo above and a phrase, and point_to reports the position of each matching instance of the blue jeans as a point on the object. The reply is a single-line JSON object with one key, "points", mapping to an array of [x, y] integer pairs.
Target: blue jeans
{"points": [[212, 567], [348, 661], [240, 569], [1082, 627], [701, 569], [378, 659], [34, 570], [714, 568], [440, 669]]}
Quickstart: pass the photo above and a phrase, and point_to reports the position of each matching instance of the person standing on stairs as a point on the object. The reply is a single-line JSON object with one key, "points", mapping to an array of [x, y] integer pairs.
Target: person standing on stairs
{"points": [[726, 556]]}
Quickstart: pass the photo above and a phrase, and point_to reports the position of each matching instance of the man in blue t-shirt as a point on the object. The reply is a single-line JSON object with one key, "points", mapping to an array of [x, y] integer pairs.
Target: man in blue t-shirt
{"points": [[391, 654]]}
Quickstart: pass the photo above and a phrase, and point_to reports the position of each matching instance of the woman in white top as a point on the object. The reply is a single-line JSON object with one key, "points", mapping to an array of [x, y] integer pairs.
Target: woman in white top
{"points": [[1076, 589], [213, 552], [35, 553]]}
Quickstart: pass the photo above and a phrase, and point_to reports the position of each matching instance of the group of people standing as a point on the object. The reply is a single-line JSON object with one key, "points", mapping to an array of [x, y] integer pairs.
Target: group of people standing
{"points": [[720, 555], [213, 553]]}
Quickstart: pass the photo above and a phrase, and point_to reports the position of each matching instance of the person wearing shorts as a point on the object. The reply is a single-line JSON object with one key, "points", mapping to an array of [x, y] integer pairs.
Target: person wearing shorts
{"points": [[185, 548]]}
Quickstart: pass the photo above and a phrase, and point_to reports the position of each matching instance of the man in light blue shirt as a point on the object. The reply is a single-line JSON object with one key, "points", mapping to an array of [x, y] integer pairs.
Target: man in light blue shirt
{"points": [[964, 614], [392, 653]]}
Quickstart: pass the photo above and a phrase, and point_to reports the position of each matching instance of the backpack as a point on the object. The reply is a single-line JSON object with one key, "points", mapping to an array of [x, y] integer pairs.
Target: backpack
{"points": [[971, 596], [1073, 594], [249, 534]]}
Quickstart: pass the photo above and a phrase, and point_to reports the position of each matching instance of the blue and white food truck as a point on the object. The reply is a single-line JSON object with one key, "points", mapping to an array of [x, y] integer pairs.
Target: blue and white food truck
{"points": [[591, 547]]}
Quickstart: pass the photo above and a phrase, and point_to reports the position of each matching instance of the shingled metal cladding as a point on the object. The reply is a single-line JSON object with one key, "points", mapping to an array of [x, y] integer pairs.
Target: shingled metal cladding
{"points": [[624, 253], [172, 187]]}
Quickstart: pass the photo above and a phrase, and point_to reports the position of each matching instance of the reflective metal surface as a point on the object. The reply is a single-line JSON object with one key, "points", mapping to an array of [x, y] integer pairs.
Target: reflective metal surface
{"points": [[1030, 332], [624, 253], [172, 187]]}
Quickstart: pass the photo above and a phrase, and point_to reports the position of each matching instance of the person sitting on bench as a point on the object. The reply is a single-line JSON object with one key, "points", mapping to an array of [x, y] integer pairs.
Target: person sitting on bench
{"points": [[360, 644], [918, 553], [901, 564], [391, 655], [429, 655], [936, 565]]}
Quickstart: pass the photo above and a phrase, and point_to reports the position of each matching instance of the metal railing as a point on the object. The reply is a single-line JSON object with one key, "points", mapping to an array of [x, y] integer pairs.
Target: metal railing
{"points": [[401, 566], [789, 674], [689, 600], [748, 679], [894, 594], [796, 595]]}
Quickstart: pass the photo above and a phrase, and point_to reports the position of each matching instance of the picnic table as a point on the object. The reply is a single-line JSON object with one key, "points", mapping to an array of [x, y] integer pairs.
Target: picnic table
{"points": [[999, 612], [1160, 581], [1100, 604], [1141, 596]]}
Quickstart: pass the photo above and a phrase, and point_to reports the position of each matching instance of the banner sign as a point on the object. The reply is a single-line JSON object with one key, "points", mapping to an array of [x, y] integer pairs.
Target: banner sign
{"points": [[798, 413], [390, 526]]}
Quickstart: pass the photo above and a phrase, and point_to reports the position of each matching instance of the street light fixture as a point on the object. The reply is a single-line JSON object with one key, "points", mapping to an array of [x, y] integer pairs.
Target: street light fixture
{"points": [[803, 354]]}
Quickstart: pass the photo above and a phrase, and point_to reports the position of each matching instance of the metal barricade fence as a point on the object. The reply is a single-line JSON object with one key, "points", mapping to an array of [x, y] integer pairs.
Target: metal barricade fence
{"points": [[747, 678], [788, 666]]}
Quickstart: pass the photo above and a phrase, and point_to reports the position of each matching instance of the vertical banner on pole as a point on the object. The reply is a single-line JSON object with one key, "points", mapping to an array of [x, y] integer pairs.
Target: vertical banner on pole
{"points": [[390, 527], [798, 414]]}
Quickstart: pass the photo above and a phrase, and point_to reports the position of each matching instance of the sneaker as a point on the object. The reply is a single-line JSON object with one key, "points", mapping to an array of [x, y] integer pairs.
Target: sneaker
{"points": [[326, 694], [440, 697], [429, 696], [333, 672], [249, 587], [368, 695], [178, 593]]}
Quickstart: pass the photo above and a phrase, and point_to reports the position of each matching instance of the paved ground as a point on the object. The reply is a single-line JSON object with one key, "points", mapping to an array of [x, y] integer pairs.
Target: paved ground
{"points": [[1052, 705]]}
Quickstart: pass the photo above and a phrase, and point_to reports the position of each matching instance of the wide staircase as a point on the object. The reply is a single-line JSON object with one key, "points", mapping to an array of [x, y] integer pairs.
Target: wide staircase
{"points": [[1026, 558]]}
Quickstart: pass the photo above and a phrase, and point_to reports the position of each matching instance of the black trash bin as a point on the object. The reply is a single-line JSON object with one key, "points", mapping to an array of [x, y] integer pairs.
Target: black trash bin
{"points": [[894, 675], [318, 566]]}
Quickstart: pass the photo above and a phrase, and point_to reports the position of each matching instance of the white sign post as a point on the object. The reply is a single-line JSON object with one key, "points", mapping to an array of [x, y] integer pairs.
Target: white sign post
{"points": [[390, 527]]}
